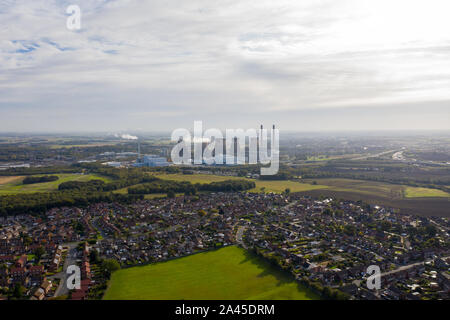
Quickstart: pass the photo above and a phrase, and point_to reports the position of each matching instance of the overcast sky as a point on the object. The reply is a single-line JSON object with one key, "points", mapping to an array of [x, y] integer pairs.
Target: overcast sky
{"points": [[159, 65]]}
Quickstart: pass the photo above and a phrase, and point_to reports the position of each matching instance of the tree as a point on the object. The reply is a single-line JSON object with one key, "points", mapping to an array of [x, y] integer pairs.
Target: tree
{"points": [[430, 230], [19, 291], [94, 257], [39, 252], [109, 266], [327, 292], [385, 225], [170, 194], [27, 240]]}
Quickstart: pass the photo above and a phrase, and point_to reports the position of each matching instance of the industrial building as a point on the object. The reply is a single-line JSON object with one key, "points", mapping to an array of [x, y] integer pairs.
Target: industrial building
{"points": [[151, 160]]}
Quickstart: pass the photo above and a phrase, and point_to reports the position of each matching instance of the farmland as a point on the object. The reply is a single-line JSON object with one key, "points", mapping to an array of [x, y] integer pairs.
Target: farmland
{"points": [[5, 180], [413, 192], [382, 189], [13, 185], [363, 187], [227, 273], [276, 186]]}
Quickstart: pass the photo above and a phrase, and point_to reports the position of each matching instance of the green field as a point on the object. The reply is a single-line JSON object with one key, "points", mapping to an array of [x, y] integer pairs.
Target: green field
{"points": [[361, 187], [15, 186], [228, 273], [381, 189], [414, 192], [196, 178], [276, 186]]}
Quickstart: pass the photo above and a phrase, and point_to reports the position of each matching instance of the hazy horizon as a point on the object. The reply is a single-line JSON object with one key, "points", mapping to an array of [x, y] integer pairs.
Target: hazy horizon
{"points": [[160, 133]]}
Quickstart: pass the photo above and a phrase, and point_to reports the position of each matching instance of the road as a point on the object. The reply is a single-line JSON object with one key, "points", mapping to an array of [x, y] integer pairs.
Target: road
{"points": [[406, 244], [374, 155], [290, 205], [409, 266], [439, 225], [374, 253], [239, 234], [70, 260]]}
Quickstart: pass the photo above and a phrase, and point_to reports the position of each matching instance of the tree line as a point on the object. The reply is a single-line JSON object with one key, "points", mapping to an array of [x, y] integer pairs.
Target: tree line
{"points": [[166, 186], [32, 180], [36, 203]]}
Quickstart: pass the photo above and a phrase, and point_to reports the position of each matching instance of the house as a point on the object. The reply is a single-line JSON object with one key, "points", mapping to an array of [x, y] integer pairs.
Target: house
{"points": [[86, 270], [85, 285], [4, 277], [46, 286], [36, 273], [39, 294], [79, 295], [351, 289], [441, 264], [19, 275], [22, 261], [8, 258], [444, 280]]}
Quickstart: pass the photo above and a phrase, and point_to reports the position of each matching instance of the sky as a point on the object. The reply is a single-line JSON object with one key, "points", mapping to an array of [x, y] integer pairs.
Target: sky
{"points": [[305, 65]]}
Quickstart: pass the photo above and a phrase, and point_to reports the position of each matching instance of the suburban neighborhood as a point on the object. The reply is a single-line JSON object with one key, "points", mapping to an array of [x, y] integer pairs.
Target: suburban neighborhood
{"points": [[326, 244]]}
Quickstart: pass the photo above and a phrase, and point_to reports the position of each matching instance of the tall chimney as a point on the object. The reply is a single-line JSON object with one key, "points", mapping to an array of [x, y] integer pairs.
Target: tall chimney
{"points": [[139, 150]]}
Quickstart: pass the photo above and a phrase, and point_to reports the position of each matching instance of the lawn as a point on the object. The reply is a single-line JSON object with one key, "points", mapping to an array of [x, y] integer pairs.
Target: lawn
{"points": [[228, 273], [15, 186]]}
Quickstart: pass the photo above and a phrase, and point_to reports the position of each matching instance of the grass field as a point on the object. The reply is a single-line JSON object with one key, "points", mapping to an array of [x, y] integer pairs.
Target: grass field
{"points": [[381, 189], [360, 187], [363, 187], [413, 192], [276, 186], [15, 186], [227, 273], [5, 180]]}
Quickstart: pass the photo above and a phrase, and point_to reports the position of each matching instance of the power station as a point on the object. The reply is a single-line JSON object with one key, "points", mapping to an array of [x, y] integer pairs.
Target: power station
{"points": [[149, 160]]}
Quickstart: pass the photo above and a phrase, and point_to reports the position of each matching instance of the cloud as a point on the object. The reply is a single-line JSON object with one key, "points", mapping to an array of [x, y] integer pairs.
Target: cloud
{"points": [[159, 63]]}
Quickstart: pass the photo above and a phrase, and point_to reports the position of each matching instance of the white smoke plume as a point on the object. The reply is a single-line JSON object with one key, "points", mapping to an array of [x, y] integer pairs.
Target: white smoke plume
{"points": [[126, 136]]}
